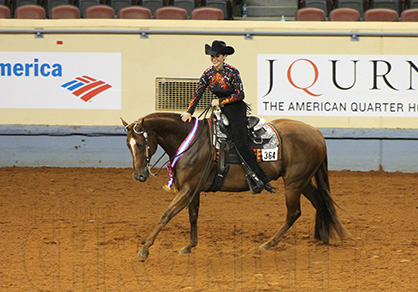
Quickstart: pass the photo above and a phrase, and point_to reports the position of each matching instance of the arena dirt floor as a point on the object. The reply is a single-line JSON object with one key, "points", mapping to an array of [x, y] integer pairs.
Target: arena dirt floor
{"points": [[78, 229]]}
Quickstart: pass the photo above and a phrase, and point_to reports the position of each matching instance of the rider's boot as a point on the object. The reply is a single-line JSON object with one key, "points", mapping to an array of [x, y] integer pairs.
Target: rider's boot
{"points": [[256, 178], [257, 185]]}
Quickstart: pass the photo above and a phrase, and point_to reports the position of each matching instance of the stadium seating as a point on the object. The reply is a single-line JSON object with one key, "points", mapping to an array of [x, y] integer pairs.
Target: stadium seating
{"points": [[170, 12], [320, 4], [49, 4], [310, 14], [410, 15], [344, 10], [344, 14], [30, 11], [100, 11], [208, 13], [4, 11], [390, 4], [84, 4], [354, 4], [189, 5], [18, 3], [119, 4], [65, 12], [380, 14], [220, 4], [135, 12], [153, 5], [411, 4]]}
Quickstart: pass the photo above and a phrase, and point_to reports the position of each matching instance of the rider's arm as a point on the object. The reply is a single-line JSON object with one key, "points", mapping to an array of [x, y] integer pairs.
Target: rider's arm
{"points": [[203, 84]]}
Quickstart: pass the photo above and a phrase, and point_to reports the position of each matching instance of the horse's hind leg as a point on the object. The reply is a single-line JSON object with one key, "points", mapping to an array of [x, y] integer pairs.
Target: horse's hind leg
{"points": [[193, 214], [178, 204], [311, 193], [293, 213]]}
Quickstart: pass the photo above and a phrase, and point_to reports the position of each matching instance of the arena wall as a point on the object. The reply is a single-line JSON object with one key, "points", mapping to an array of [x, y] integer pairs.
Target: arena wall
{"points": [[43, 123]]}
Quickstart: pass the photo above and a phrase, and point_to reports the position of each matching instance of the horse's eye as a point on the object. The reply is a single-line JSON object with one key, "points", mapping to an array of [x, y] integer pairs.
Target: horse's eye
{"points": [[141, 144]]}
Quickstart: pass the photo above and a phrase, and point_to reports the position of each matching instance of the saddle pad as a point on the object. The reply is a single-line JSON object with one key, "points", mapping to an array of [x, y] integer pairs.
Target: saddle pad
{"points": [[233, 157]]}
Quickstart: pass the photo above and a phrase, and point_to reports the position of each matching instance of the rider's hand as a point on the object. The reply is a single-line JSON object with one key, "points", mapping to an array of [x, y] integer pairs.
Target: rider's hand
{"points": [[215, 102], [186, 117]]}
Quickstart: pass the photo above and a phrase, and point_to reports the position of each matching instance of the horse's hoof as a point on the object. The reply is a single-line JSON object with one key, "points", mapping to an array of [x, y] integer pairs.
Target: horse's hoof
{"points": [[142, 255], [265, 247]]}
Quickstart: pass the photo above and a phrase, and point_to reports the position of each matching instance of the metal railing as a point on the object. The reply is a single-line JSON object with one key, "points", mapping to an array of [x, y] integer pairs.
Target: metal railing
{"points": [[145, 33]]}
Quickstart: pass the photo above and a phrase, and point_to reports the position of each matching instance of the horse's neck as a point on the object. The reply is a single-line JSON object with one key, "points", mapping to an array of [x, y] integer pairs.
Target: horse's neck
{"points": [[171, 133]]}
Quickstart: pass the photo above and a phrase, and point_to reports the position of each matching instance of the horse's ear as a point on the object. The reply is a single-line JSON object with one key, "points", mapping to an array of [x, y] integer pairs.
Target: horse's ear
{"points": [[141, 123], [124, 122]]}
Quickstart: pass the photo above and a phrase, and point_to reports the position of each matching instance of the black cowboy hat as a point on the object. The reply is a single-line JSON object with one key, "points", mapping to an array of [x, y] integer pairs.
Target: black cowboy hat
{"points": [[218, 47]]}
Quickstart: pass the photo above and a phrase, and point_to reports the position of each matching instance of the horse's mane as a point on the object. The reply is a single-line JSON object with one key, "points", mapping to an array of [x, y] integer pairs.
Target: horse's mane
{"points": [[158, 116], [166, 121], [167, 115]]}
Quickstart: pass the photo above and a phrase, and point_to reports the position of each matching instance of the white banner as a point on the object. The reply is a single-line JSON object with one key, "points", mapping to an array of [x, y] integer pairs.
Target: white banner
{"points": [[40, 80], [338, 85]]}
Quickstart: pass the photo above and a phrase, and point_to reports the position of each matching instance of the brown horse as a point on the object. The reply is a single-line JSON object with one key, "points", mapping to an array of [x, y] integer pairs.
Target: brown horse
{"points": [[304, 159]]}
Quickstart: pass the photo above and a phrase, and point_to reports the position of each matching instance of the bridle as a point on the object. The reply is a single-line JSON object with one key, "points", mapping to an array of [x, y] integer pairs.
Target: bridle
{"points": [[147, 149]]}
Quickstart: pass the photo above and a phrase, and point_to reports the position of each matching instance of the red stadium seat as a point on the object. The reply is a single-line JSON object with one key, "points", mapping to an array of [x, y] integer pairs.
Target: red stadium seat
{"points": [[30, 11], [117, 5], [170, 12], [310, 14], [409, 15], [188, 5], [100, 11], [4, 11], [344, 14], [389, 4], [224, 5], [208, 13], [65, 12], [380, 14], [152, 5], [325, 5], [135, 12], [359, 5]]}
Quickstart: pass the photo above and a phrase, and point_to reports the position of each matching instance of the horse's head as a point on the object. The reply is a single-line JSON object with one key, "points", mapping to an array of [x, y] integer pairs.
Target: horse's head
{"points": [[142, 145]]}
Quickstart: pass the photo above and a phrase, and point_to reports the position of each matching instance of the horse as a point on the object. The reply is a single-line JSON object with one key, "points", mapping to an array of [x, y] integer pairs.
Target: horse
{"points": [[303, 167]]}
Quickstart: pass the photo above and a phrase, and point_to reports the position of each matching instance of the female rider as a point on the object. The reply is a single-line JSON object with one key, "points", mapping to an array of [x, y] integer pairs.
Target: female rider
{"points": [[225, 82]]}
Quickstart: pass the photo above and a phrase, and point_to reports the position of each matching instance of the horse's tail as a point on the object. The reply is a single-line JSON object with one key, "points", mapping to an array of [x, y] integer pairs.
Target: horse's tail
{"points": [[327, 220]]}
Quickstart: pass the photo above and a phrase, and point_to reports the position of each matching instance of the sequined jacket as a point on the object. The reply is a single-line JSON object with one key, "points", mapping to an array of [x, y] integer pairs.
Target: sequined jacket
{"points": [[226, 84]]}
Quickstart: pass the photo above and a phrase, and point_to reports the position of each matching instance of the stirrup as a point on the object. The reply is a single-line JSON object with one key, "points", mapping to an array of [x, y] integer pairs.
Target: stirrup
{"points": [[254, 183]]}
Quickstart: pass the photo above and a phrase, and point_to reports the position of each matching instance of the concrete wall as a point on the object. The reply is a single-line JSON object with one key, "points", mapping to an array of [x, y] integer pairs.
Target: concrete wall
{"points": [[353, 149]]}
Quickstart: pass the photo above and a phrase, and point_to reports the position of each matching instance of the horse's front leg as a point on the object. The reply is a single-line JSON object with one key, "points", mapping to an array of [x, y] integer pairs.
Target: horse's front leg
{"points": [[178, 204], [293, 213], [193, 214]]}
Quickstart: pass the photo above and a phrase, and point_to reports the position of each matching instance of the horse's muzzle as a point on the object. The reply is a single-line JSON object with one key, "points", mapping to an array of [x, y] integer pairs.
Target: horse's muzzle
{"points": [[142, 177]]}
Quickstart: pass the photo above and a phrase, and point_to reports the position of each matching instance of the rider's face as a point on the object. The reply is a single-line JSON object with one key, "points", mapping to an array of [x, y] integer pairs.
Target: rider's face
{"points": [[217, 60]]}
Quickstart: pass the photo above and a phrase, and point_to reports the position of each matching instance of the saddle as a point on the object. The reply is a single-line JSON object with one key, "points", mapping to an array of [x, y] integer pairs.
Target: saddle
{"points": [[264, 139]]}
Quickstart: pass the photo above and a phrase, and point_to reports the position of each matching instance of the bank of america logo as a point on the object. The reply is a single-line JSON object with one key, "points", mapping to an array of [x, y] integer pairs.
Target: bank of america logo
{"points": [[86, 87]]}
